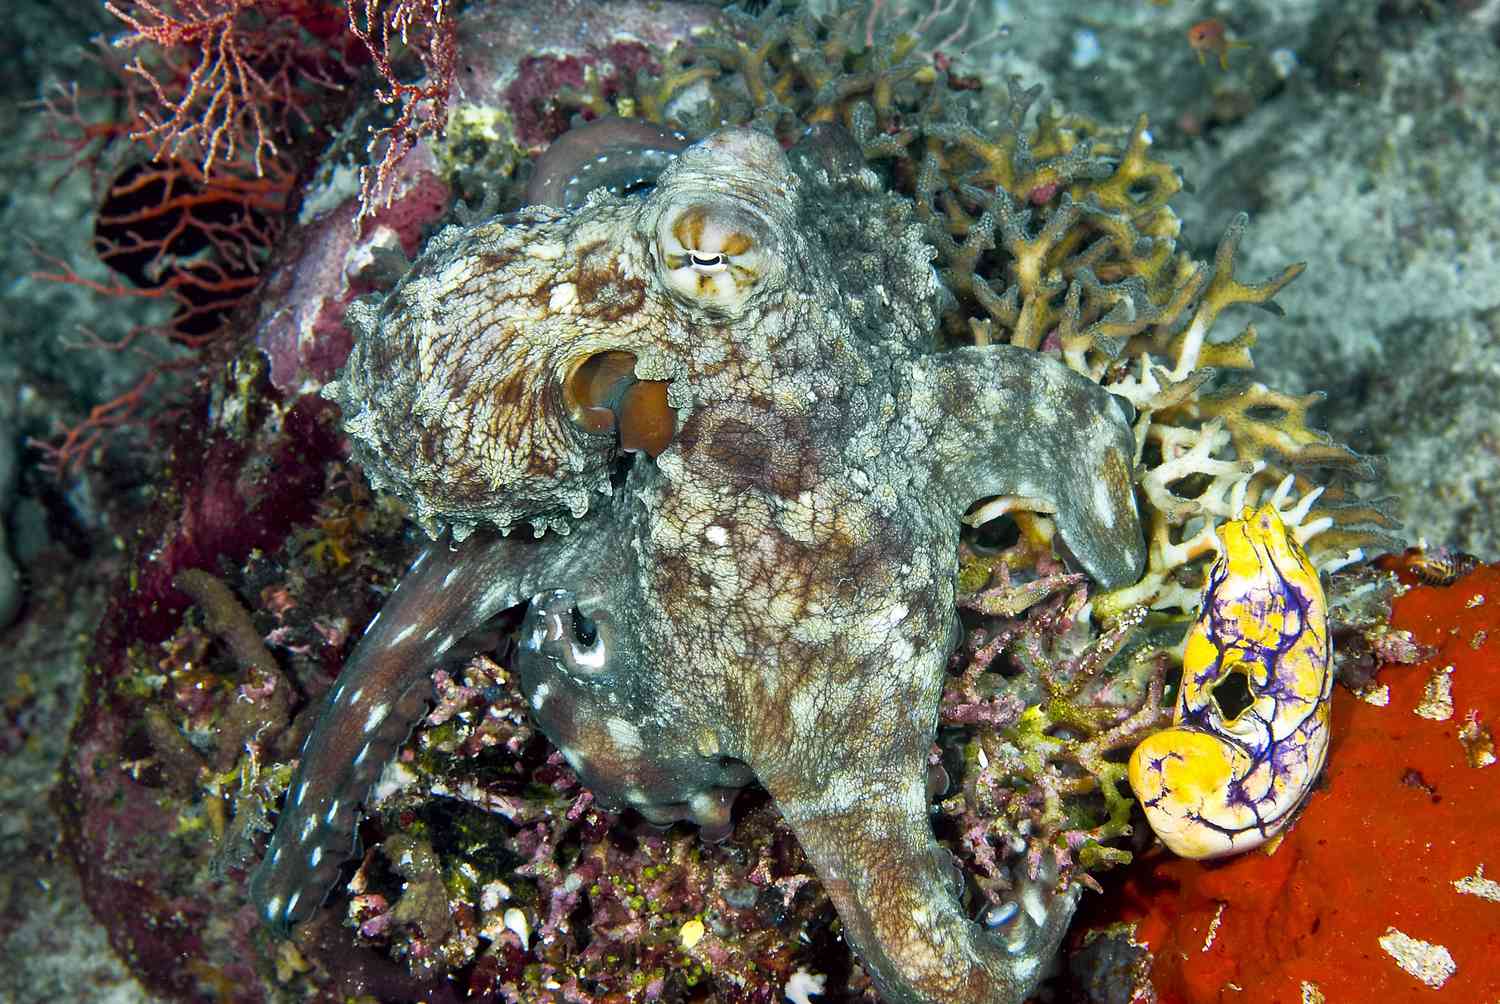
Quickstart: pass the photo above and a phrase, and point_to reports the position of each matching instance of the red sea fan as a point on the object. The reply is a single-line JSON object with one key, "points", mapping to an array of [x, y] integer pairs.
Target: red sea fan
{"points": [[230, 78]]}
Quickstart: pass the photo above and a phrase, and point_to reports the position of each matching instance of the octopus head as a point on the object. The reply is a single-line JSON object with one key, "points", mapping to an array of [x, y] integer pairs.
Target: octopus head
{"points": [[503, 378]]}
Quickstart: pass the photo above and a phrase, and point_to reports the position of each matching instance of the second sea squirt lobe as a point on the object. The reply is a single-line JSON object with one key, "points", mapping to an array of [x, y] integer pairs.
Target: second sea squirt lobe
{"points": [[767, 592]]}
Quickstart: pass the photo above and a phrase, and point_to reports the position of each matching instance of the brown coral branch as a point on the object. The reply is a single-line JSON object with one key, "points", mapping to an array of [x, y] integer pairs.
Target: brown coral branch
{"points": [[228, 620]]}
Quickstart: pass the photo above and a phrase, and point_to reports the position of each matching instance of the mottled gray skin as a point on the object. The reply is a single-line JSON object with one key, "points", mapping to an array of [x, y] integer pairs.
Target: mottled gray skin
{"points": [[771, 598], [10, 577]]}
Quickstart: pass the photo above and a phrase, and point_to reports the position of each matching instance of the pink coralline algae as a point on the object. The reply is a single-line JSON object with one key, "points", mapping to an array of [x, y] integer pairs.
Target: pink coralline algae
{"points": [[329, 261]]}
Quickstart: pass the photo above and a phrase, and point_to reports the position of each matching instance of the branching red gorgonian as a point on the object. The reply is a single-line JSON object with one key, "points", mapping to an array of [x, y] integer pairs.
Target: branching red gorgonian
{"points": [[229, 76], [425, 30]]}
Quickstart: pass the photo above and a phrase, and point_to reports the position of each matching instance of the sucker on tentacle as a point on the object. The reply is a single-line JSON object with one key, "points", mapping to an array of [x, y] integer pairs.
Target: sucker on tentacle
{"points": [[1250, 729]]}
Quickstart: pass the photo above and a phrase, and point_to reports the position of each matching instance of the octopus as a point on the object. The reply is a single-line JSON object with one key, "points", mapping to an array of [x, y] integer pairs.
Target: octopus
{"points": [[1250, 726], [703, 432]]}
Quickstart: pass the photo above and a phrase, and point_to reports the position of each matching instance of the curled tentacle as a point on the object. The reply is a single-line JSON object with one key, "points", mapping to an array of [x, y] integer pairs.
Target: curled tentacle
{"points": [[892, 885], [1020, 424], [382, 693], [617, 154]]}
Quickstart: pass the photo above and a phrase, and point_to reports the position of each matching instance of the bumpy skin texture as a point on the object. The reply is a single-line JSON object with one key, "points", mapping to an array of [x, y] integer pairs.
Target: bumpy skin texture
{"points": [[770, 598], [1221, 781]]}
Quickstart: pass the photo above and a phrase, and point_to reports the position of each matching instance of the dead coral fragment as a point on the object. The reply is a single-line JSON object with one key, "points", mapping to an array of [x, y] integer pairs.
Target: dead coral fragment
{"points": [[1428, 962], [1478, 742]]}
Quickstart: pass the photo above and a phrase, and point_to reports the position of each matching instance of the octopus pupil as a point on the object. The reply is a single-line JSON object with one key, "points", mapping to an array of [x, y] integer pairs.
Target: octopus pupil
{"points": [[707, 261], [584, 628]]}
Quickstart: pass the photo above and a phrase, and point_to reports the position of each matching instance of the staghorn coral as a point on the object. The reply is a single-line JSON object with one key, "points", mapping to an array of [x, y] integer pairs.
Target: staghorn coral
{"points": [[1043, 730]]}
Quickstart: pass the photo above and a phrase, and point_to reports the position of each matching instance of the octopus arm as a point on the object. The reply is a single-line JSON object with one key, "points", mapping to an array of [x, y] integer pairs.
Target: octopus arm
{"points": [[618, 154], [449, 593], [1006, 421], [894, 889]]}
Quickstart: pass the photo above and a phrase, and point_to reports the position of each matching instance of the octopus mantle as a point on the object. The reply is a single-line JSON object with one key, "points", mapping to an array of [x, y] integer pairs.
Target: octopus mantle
{"points": [[719, 408]]}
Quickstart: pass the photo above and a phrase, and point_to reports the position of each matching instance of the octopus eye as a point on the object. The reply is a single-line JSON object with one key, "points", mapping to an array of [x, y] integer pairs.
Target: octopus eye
{"points": [[713, 255], [557, 630]]}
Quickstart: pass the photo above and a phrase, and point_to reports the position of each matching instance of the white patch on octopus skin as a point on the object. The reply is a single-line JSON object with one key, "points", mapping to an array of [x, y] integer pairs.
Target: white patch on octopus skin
{"points": [[377, 715], [1034, 905], [589, 658], [1102, 507], [545, 251], [625, 735]]}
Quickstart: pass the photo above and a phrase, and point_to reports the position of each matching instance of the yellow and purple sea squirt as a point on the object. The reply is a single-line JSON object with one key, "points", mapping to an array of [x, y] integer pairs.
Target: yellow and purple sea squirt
{"points": [[1249, 732]]}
